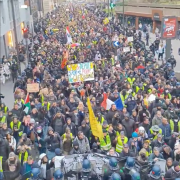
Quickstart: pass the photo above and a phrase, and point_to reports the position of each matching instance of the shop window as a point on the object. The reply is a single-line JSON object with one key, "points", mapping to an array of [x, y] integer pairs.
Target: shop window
{"points": [[10, 39]]}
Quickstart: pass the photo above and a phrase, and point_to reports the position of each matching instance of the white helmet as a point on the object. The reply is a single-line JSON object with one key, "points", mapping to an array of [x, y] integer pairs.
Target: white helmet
{"points": [[141, 129], [42, 156]]}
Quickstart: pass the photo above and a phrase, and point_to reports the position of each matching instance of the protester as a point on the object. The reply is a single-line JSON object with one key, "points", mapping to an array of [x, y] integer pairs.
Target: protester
{"points": [[95, 97]]}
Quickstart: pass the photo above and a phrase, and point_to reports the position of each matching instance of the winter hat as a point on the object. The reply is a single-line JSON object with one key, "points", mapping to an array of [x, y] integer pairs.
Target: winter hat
{"points": [[134, 135], [58, 151], [75, 143], [50, 129], [94, 145], [176, 163]]}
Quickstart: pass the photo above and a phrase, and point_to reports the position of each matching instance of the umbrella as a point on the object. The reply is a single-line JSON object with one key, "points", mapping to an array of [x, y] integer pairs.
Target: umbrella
{"points": [[75, 44]]}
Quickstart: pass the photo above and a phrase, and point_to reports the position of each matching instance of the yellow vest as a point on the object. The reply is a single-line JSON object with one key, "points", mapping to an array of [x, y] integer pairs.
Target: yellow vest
{"points": [[48, 105], [25, 156], [105, 145], [18, 125], [1, 170], [22, 101], [119, 145], [64, 135], [155, 137]]}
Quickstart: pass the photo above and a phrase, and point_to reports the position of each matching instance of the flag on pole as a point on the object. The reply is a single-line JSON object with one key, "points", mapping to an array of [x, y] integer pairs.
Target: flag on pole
{"points": [[27, 104], [65, 59], [106, 104], [95, 126], [69, 38], [119, 104]]}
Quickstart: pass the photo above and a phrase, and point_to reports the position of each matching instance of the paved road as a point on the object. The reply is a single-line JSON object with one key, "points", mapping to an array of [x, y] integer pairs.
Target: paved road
{"points": [[7, 89]]}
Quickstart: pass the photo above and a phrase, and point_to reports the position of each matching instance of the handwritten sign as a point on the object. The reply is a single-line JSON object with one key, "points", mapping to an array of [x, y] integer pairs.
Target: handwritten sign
{"points": [[33, 87], [126, 49], [130, 39], [80, 72]]}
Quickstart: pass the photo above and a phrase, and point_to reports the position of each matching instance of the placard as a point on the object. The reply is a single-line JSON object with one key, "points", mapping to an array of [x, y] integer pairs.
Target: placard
{"points": [[33, 87], [130, 39], [126, 49], [80, 72], [169, 27]]}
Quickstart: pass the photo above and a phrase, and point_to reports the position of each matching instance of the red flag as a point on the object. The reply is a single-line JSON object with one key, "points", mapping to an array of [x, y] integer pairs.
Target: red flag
{"points": [[63, 63], [104, 103]]}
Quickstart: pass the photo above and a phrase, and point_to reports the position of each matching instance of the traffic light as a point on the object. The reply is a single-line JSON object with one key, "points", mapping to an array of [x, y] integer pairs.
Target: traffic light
{"points": [[25, 33], [112, 5]]}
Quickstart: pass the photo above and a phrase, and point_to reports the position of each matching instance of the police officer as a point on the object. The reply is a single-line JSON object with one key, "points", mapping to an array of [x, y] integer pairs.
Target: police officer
{"points": [[115, 176], [35, 173], [155, 173], [112, 167], [87, 172], [58, 175], [129, 165]]}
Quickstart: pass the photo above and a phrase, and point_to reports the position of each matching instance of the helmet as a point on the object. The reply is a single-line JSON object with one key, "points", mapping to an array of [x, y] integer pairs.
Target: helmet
{"points": [[155, 172], [42, 156], [141, 129], [35, 173], [129, 163], [115, 176], [113, 163], [58, 174], [86, 165], [134, 135], [135, 175]]}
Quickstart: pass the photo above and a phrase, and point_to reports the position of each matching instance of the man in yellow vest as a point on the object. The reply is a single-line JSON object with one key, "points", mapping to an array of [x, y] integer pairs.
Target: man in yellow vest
{"points": [[121, 140], [105, 143], [2, 117], [4, 108], [46, 105], [154, 131], [17, 128], [23, 153]]}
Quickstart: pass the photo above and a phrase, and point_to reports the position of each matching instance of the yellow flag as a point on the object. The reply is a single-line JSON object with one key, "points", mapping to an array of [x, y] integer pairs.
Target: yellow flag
{"points": [[106, 21], [95, 126]]}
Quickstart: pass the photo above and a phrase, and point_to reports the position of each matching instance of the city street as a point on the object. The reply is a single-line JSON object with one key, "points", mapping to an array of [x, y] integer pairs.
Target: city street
{"points": [[7, 88]]}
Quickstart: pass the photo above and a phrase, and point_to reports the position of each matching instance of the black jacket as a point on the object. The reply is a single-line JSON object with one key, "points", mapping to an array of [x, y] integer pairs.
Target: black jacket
{"points": [[4, 149]]}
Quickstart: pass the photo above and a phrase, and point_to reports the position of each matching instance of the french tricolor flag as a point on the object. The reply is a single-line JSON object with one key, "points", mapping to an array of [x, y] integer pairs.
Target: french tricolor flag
{"points": [[69, 38]]}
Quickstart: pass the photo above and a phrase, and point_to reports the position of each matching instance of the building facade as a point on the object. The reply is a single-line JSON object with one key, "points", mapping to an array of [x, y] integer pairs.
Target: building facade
{"points": [[7, 38], [147, 13]]}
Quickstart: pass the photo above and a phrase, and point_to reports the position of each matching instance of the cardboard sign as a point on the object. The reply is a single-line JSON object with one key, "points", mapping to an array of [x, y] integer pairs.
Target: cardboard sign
{"points": [[33, 87], [130, 39], [80, 72], [126, 49]]}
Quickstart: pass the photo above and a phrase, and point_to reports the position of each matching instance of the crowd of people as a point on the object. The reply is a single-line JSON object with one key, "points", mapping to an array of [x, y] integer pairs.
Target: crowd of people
{"points": [[143, 130]]}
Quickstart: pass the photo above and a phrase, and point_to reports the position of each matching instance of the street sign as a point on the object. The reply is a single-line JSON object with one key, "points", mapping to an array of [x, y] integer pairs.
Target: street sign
{"points": [[116, 43]]}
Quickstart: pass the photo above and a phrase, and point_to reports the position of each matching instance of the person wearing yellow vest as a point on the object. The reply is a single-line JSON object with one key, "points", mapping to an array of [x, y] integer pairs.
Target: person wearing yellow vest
{"points": [[154, 131], [4, 108], [23, 153], [175, 123], [99, 118], [2, 117], [123, 95], [67, 139], [105, 143], [147, 147], [121, 140], [131, 79], [17, 128], [46, 104], [20, 102]]}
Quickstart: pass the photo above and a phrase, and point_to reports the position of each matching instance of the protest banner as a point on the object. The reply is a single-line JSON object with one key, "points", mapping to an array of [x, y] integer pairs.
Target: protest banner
{"points": [[80, 72], [130, 39], [34, 87], [126, 49]]}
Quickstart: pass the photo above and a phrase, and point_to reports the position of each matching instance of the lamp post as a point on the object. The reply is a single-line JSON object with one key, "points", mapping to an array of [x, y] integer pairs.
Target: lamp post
{"points": [[15, 35], [123, 13]]}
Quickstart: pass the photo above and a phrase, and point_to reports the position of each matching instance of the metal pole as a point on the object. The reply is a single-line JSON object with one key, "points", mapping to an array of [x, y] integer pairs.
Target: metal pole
{"points": [[108, 7], [123, 13], [15, 35], [27, 51]]}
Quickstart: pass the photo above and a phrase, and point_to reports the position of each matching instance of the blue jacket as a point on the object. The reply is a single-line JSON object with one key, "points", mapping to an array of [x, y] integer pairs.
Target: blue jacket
{"points": [[130, 105], [26, 168], [166, 130]]}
